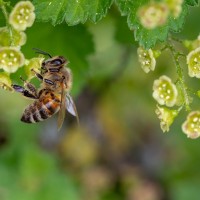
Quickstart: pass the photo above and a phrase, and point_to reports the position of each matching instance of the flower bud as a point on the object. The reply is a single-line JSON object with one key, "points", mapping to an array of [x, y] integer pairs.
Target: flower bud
{"points": [[18, 38], [146, 59], [164, 91], [175, 7], [166, 117], [34, 63], [192, 44], [193, 61], [5, 82], [22, 15]]}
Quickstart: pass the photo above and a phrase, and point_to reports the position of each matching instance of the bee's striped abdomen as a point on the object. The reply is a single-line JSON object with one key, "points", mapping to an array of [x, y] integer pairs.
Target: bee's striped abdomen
{"points": [[41, 109]]}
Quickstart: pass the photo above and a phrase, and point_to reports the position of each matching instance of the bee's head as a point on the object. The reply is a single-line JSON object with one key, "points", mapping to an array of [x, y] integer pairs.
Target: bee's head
{"points": [[53, 64], [56, 61]]}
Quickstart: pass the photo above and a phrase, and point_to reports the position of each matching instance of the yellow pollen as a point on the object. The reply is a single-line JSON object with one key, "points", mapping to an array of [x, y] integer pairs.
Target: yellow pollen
{"points": [[147, 62], [195, 129], [162, 96], [195, 59], [195, 119], [21, 10], [167, 97], [27, 11], [192, 125]]}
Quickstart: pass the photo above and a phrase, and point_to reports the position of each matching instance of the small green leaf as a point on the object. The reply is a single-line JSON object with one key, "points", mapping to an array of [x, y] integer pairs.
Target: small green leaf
{"points": [[123, 34], [72, 11], [192, 2], [148, 37]]}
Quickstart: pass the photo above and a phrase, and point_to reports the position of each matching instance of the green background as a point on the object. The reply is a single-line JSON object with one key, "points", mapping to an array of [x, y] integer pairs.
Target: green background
{"points": [[119, 151]]}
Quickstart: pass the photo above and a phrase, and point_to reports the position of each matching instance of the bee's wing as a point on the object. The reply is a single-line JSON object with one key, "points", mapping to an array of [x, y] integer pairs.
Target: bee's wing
{"points": [[61, 114], [71, 108]]}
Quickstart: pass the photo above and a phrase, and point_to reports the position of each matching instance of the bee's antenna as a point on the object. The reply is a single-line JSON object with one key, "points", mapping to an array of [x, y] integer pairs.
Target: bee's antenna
{"points": [[41, 52]]}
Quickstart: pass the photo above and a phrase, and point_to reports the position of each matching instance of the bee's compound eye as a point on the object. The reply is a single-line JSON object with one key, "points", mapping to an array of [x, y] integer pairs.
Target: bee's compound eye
{"points": [[56, 62]]}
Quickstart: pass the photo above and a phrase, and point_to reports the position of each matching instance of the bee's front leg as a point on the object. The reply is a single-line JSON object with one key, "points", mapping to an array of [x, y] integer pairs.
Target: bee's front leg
{"points": [[39, 76], [24, 92]]}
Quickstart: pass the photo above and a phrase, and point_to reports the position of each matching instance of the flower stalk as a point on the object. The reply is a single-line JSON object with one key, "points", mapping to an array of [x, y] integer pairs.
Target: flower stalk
{"points": [[176, 56]]}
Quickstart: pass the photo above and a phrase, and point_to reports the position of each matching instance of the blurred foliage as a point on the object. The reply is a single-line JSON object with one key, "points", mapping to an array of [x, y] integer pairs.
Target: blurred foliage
{"points": [[118, 151], [75, 12]]}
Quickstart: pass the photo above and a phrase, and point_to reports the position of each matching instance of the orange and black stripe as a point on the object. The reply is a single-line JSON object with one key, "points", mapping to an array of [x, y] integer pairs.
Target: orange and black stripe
{"points": [[40, 110]]}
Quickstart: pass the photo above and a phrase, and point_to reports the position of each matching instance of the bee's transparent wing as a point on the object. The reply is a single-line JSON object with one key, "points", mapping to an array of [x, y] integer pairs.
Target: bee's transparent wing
{"points": [[71, 108], [61, 114]]}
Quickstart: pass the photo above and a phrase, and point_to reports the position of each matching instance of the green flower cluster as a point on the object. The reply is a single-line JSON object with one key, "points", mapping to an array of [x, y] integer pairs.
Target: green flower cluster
{"points": [[191, 126], [155, 14], [169, 94], [165, 93], [12, 37]]}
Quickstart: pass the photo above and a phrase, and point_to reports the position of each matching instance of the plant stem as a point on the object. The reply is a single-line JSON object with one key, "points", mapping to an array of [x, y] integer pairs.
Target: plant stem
{"points": [[176, 55], [3, 8]]}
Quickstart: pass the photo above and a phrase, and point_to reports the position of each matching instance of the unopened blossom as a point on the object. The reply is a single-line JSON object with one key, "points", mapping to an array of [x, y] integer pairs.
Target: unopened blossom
{"points": [[175, 7], [33, 64], [5, 82], [164, 91], [11, 59], [18, 38], [153, 14], [193, 62], [146, 59], [166, 117], [22, 15], [191, 127], [192, 44]]}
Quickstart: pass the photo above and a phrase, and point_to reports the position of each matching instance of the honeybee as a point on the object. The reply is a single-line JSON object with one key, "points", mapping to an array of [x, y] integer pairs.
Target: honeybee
{"points": [[53, 95]]}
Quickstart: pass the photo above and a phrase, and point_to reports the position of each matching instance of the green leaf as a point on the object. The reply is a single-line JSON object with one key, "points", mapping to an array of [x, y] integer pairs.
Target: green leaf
{"points": [[72, 11], [192, 2], [148, 38], [123, 34]]}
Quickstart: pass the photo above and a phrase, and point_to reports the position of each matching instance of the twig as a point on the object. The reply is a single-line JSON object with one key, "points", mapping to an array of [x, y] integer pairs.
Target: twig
{"points": [[176, 55]]}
